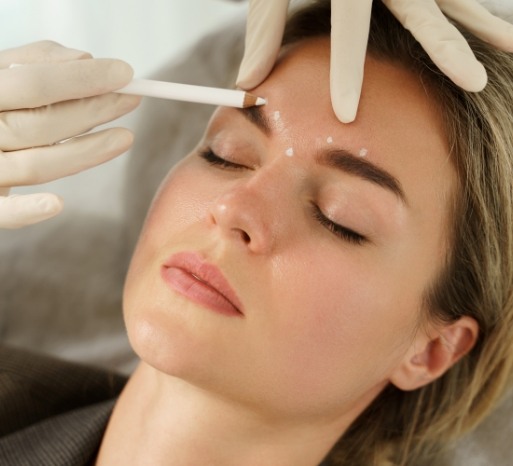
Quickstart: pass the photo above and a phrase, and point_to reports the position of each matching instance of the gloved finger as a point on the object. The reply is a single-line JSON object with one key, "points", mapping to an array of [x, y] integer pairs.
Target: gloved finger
{"points": [[43, 126], [41, 164], [442, 41], [40, 84], [17, 211], [480, 22], [349, 35], [264, 32], [45, 51]]}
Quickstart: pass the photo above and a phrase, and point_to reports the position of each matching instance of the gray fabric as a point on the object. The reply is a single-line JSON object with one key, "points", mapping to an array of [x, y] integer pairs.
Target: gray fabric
{"points": [[52, 412], [60, 290], [71, 439], [489, 445]]}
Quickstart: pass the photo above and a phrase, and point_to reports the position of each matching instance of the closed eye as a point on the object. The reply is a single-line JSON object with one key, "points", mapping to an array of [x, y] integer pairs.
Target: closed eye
{"points": [[338, 230], [213, 159], [342, 232]]}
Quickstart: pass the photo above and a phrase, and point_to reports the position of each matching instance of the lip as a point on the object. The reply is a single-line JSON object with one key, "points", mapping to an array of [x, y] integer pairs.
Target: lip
{"points": [[192, 276]]}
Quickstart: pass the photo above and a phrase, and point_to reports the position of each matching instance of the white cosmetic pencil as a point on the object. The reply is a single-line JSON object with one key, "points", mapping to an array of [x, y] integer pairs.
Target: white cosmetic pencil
{"points": [[191, 93]]}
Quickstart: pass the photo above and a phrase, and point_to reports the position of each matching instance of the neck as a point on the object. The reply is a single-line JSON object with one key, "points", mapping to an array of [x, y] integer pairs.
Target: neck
{"points": [[161, 420]]}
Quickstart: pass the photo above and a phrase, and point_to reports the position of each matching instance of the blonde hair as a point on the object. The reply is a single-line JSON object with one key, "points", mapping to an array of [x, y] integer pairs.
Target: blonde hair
{"points": [[404, 428]]}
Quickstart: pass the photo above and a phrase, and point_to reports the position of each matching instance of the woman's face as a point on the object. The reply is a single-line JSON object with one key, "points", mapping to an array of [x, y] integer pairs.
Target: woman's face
{"points": [[327, 233]]}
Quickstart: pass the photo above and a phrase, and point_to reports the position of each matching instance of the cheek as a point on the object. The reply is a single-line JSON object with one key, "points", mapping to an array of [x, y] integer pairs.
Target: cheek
{"points": [[155, 330], [180, 208], [347, 291], [342, 322], [174, 208], [178, 202]]}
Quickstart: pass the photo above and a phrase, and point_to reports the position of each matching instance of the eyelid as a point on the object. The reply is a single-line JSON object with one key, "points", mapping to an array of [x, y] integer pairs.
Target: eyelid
{"points": [[229, 142], [213, 159], [338, 230]]}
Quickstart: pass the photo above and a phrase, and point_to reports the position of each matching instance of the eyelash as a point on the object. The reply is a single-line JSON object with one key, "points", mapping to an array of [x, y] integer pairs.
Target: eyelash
{"points": [[338, 230], [213, 159]]}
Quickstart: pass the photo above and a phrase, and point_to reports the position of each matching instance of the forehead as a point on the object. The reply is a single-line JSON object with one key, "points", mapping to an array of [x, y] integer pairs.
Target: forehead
{"points": [[398, 125], [391, 95]]}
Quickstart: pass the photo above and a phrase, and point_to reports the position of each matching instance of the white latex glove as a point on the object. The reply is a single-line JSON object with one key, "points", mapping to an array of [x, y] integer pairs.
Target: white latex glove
{"points": [[57, 94], [350, 19]]}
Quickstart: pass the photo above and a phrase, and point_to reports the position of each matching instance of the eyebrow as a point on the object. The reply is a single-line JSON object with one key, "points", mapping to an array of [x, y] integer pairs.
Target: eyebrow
{"points": [[340, 159], [256, 116], [349, 163]]}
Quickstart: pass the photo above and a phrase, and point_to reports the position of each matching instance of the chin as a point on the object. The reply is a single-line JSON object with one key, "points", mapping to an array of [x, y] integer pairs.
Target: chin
{"points": [[170, 340]]}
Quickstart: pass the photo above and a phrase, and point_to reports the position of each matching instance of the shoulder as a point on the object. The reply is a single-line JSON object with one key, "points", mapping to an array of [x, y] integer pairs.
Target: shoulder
{"points": [[36, 387]]}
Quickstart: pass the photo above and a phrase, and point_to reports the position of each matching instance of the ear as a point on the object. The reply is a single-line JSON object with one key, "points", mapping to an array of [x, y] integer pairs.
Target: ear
{"points": [[434, 352]]}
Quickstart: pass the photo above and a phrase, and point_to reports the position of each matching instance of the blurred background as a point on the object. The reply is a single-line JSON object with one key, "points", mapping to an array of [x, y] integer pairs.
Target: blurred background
{"points": [[143, 33]]}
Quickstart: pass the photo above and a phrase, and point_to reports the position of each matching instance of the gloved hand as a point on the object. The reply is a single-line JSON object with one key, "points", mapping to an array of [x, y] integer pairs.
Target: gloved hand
{"points": [[350, 29], [46, 105]]}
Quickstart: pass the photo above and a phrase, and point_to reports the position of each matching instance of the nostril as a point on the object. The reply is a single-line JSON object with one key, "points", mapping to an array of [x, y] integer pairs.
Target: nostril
{"points": [[245, 237]]}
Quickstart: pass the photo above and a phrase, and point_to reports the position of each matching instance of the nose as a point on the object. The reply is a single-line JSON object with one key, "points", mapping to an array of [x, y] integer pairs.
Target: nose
{"points": [[249, 213]]}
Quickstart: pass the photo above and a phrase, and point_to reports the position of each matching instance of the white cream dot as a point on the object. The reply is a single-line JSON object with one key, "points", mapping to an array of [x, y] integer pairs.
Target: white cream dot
{"points": [[329, 140], [276, 115], [289, 152], [363, 152]]}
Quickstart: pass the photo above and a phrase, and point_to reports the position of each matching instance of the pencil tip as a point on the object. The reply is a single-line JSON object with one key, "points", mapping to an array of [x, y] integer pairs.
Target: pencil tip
{"points": [[251, 100]]}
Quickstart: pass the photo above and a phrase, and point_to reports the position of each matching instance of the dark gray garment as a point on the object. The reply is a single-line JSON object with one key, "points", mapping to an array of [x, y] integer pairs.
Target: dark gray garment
{"points": [[52, 412]]}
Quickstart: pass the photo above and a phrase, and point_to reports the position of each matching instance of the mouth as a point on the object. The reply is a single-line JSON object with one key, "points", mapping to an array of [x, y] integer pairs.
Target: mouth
{"points": [[193, 277]]}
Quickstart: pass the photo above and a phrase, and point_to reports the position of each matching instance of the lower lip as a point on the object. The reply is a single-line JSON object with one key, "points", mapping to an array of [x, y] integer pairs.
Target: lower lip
{"points": [[197, 291]]}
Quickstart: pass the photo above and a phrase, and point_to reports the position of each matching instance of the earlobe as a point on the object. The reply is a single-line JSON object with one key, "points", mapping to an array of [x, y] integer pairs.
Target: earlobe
{"points": [[433, 354]]}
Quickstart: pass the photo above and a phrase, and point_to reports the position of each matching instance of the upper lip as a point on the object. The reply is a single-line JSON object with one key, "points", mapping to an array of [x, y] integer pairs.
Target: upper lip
{"points": [[205, 272]]}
